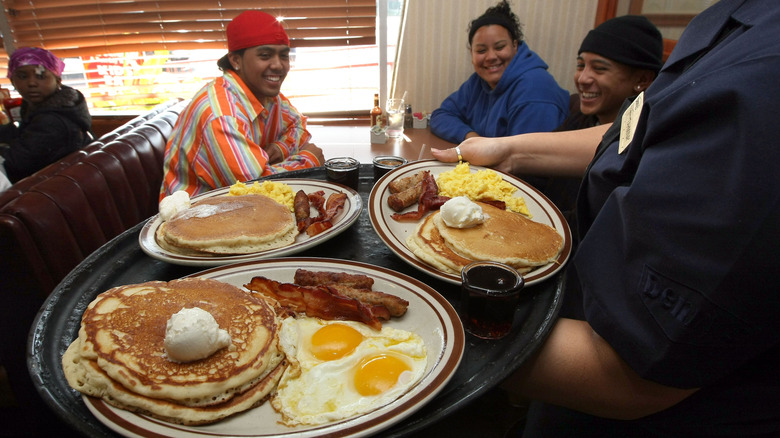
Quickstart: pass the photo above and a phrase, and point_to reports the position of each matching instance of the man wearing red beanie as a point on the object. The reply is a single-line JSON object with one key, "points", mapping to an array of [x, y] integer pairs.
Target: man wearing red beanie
{"points": [[240, 127]]}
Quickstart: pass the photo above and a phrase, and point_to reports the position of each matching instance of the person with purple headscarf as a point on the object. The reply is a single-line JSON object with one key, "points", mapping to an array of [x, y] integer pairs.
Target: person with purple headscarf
{"points": [[55, 119]]}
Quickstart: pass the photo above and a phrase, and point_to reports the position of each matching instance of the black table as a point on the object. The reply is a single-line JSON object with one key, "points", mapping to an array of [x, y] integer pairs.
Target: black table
{"points": [[121, 261]]}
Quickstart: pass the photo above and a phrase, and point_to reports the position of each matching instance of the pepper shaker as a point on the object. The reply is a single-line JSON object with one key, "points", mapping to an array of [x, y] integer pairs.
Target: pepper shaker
{"points": [[408, 117]]}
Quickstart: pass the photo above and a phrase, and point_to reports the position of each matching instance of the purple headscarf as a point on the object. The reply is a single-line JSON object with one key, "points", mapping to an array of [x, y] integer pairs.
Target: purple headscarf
{"points": [[35, 56]]}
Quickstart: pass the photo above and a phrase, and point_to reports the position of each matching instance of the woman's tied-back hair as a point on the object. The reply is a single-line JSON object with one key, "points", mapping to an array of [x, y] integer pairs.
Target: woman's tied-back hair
{"points": [[502, 15]]}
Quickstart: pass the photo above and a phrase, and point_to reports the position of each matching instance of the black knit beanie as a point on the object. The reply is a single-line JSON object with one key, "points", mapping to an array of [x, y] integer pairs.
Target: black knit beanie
{"points": [[629, 39]]}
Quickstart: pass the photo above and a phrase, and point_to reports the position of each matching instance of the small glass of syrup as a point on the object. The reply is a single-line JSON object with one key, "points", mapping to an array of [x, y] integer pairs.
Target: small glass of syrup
{"points": [[386, 163], [343, 170], [490, 292]]}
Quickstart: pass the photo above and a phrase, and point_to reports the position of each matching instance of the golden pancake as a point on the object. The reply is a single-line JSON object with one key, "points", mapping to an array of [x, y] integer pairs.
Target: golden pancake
{"points": [[230, 225], [87, 377], [504, 237], [123, 332], [426, 243]]}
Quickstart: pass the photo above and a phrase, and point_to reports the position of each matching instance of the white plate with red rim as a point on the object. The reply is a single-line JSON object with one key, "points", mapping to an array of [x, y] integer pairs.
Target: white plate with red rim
{"points": [[394, 233], [429, 315], [343, 220]]}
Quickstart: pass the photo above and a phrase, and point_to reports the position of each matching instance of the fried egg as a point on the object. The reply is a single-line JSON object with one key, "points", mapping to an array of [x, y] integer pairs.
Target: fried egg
{"points": [[339, 369]]}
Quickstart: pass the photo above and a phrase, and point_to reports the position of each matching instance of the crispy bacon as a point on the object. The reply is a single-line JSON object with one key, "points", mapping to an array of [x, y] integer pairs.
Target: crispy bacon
{"points": [[317, 227], [317, 200], [357, 286], [324, 221], [494, 203], [429, 200], [314, 301], [326, 210], [335, 203]]}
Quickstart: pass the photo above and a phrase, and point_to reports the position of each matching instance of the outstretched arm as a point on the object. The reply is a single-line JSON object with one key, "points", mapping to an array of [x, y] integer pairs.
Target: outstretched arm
{"points": [[565, 153]]}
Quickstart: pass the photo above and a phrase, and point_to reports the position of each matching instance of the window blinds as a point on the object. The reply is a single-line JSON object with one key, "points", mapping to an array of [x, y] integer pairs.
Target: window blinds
{"points": [[72, 28]]}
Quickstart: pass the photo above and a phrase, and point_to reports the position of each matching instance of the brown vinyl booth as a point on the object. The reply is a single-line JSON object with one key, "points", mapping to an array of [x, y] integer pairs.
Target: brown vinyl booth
{"points": [[53, 219]]}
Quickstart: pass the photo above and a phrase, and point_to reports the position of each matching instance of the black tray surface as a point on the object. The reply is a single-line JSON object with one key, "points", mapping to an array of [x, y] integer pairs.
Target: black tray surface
{"points": [[484, 365]]}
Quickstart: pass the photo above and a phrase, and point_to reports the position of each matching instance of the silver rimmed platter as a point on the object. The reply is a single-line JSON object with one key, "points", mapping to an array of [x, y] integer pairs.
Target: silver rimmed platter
{"points": [[343, 220], [394, 233], [429, 314]]}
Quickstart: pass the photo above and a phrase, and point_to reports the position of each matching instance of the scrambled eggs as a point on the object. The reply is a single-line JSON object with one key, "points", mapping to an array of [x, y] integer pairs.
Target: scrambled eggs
{"points": [[279, 192], [485, 184]]}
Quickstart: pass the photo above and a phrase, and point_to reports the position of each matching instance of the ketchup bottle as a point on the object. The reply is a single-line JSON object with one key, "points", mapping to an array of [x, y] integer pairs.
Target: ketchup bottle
{"points": [[13, 107]]}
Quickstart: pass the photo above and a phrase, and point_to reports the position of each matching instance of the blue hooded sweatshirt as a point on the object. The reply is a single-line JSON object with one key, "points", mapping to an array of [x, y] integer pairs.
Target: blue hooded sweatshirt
{"points": [[526, 99]]}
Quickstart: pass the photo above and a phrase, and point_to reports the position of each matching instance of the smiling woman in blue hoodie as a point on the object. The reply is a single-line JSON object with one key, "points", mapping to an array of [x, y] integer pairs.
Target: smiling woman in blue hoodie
{"points": [[511, 92]]}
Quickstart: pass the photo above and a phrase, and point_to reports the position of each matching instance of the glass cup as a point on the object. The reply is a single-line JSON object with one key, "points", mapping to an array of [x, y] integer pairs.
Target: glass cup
{"points": [[386, 163], [343, 170], [395, 117], [490, 292]]}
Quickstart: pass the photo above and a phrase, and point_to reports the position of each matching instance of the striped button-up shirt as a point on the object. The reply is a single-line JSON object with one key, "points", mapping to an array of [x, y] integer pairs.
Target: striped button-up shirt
{"points": [[222, 135]]}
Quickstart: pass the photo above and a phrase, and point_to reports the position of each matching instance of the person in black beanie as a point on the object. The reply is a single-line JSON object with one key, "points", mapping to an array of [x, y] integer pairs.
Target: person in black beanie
{"points": [[617, 60]]}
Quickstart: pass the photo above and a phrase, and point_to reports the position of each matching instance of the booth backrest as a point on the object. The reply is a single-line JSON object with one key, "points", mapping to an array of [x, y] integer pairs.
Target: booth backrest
{"points": [[53, 219]]}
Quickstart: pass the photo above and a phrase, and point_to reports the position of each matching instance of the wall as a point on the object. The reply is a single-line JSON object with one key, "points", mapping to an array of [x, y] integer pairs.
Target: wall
{"points": [[434, 59]]}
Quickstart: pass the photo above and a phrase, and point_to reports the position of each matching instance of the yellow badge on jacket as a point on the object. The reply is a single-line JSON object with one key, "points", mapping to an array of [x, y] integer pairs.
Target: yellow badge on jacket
{"points": [[629, 121]]}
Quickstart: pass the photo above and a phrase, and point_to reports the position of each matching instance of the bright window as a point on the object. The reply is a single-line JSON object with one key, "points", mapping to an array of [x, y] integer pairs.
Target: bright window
{"points": [[161, 58]]}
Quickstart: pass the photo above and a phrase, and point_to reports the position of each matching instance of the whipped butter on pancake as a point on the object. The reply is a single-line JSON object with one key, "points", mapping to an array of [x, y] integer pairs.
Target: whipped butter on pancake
{"points": [[120, 353], [229, 225], [505, 237], [192, 334], [501, 236]]}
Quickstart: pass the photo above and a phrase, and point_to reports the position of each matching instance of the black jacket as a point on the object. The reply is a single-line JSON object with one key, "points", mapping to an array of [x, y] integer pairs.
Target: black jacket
{"points": [[52, 129]]}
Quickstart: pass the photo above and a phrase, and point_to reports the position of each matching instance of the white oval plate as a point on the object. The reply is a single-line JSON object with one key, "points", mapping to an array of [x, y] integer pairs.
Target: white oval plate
{"points": [[429, 315], [394, 233], [343, 220]]}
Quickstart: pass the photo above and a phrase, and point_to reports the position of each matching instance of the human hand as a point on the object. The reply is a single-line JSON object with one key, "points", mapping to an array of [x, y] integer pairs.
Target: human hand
{"points": [[274, 153], [314, 149], [479, 151]]}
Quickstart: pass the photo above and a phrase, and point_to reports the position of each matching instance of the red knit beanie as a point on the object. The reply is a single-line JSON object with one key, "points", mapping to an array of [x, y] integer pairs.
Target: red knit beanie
{"points": [[255, 28]]}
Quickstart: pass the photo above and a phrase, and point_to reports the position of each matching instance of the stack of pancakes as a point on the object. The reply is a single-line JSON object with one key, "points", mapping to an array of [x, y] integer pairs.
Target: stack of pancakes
{"points": [[119, 354], [505, 237], [229, 225]]}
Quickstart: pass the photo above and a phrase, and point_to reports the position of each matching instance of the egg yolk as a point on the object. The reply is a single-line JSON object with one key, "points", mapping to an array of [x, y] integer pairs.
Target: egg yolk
{"points": [[334, 341], [377, 374]]}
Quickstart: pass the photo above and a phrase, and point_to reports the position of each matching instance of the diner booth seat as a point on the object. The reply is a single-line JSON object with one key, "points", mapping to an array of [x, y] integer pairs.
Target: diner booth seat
{"points": [[53, 219]]}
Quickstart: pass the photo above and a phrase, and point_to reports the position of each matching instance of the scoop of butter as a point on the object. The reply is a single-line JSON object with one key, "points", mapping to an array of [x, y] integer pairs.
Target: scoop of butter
{"points": [[461, 212], [174, 203], [192, 334]]}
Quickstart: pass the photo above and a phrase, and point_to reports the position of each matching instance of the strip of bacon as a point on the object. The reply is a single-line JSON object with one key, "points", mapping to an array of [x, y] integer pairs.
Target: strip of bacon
{"points": [[314, 301], [317, 227], [317, 200], [494, 203], [327, 211], [357, 286], [335, 203], [429, 200]]}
